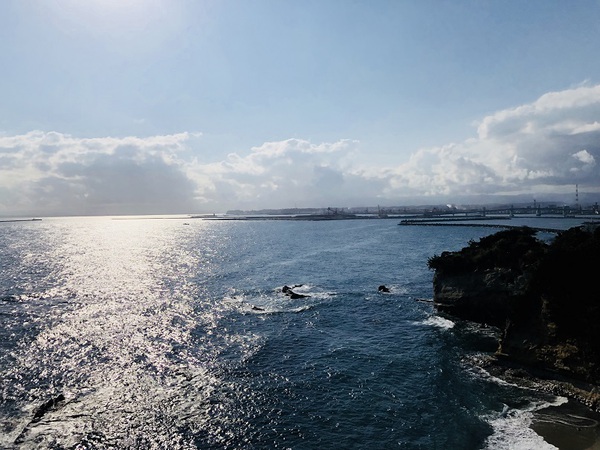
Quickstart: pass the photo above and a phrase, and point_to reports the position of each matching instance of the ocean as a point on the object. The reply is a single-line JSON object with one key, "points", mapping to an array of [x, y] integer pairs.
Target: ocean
{"points": [[174, 333]]}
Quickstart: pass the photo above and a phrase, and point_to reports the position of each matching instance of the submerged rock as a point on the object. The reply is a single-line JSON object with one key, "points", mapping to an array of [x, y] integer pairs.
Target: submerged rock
{"points": [[48, 406]]}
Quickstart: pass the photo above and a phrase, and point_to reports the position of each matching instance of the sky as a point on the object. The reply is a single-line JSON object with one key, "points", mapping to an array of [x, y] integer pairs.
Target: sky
{"points": [[178, 106]]}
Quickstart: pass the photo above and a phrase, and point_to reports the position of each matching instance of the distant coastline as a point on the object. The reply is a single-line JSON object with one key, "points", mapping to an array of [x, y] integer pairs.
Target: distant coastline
{"points": [[19, 220], [434, 211], [292, 217]]}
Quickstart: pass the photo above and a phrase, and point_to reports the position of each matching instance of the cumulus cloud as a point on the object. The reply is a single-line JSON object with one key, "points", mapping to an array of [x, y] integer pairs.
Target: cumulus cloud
{"points": [[54, 173], [280, 174], [584, 157], [552, 142], [544, 146]]}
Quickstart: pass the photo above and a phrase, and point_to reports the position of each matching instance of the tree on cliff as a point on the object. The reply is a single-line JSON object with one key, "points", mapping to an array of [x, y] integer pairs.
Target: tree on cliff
{"points": [[515, 248], [544, 296]]}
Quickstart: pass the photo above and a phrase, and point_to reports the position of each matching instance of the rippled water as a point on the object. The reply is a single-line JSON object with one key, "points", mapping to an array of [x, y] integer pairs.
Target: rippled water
{"points": [[152, 333]]}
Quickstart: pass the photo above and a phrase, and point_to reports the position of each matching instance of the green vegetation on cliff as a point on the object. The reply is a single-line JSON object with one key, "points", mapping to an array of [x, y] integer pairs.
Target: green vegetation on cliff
{"points": [[547, 301], [516, 248]]}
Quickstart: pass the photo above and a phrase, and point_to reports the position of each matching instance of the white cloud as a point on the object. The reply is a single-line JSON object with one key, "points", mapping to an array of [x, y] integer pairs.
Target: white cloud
{"points": [[545, 146], [584, 157], [517, 150], [55, 173], [278, 174]]}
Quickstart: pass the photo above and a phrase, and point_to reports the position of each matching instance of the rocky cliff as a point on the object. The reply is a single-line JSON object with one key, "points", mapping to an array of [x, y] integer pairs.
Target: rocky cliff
{"points": [[488, 279], [544, 297]]}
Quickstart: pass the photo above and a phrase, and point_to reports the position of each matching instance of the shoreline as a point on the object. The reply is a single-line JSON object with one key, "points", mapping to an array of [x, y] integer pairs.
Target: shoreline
{"points": [[573, 425], [539, 379], [570, 426]]}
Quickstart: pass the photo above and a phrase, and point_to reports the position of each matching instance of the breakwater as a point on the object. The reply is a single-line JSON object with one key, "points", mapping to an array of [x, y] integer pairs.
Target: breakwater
{"points": [[458, 223], [19, 220]]}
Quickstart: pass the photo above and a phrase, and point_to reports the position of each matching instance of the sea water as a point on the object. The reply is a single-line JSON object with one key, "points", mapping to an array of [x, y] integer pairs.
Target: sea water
{"points": [[174, 333]]}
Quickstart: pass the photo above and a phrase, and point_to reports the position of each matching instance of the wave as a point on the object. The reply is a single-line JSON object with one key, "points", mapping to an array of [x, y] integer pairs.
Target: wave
{"points": [[474, 369], [253, 309], [275, 301], [512, 428], [265, 304], [439, 322]]}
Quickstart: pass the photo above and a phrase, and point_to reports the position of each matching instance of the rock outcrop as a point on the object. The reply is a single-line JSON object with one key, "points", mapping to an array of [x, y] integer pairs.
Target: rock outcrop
{"points": [[544, 297], [486, 280], [485, 296]]}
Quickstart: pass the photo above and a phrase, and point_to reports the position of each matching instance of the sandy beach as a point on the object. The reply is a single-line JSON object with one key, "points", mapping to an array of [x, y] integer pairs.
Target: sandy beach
{"points": [[571, 426]]}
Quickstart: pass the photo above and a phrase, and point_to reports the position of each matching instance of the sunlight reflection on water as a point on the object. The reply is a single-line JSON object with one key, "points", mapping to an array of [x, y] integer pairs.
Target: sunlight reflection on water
{"points": [[119, 359], [145, 333]]}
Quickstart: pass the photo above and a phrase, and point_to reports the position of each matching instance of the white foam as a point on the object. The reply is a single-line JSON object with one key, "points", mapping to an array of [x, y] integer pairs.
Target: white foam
{"points": [[253, 309], [480, 372], [513, 433], [512, 428], [439, 322], [275, 302], [309, 290]]}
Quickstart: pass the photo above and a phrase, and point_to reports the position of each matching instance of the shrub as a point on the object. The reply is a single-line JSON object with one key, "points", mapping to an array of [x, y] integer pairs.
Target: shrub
{"points": [[516, 248]]}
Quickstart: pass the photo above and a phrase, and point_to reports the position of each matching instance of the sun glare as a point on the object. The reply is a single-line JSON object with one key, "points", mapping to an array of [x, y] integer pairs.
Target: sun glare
{"points": [[131, 28], [108, 15]]}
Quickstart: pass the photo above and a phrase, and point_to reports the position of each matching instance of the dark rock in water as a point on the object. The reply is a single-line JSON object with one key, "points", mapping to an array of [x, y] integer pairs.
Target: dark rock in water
{"points": [[543, 296], [291, 294], [38, 414], [47, 406], [383, 288], [286, 289]]}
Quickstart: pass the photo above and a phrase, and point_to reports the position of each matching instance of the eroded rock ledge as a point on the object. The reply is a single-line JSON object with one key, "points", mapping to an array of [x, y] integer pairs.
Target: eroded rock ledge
{"points": [[545, 298]]}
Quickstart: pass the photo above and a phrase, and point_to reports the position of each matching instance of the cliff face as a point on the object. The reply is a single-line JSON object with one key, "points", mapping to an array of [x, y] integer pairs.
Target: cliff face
{"points": [[544, 297], [559, 325], [486, 280], [485, 296]]}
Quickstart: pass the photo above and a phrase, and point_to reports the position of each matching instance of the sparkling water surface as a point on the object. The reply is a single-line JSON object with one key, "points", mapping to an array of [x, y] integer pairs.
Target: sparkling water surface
{"points": [[174, 333]]}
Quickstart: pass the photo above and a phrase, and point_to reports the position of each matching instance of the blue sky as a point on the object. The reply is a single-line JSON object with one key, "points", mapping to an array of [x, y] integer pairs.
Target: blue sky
{"points": [[159, 106]]}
